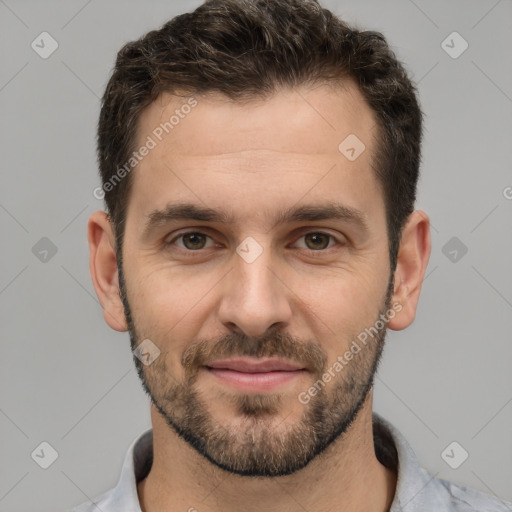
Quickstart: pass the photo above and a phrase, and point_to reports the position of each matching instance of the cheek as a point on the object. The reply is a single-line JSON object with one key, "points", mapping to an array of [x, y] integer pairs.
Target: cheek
{"points": [[167, 294], [341, 306], [170, 305], [345, 298]]}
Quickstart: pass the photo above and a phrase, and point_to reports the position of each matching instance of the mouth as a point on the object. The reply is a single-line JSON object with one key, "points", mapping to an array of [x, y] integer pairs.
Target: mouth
{"points": [[249, 374]]}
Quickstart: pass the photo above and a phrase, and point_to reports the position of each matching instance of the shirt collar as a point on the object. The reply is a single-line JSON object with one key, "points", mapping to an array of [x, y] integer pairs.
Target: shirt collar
{"points": [[416, 488]]}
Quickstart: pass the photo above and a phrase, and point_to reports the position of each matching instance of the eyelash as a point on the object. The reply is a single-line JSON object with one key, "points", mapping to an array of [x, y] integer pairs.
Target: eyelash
{"points": [[192, 253]]}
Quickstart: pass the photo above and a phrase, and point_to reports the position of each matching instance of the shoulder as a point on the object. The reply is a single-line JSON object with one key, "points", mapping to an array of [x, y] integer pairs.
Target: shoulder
{"points": [[102, 503], [123, 497], [418, 490], [466, 499]]}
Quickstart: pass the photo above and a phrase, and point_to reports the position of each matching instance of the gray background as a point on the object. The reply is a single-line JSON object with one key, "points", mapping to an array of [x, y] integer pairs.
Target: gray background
{"points": [[67, 379]]}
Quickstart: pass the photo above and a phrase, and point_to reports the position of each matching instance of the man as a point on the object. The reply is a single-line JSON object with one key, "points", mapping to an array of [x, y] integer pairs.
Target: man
{"points": [[259, 162]]}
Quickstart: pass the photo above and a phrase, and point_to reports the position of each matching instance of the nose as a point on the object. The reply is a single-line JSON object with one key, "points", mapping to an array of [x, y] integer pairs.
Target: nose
{"points": [[254, 297]]}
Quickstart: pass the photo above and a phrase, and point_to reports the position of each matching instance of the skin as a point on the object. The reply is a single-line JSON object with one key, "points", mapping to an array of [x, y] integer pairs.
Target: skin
{"points": [[254, 159]]}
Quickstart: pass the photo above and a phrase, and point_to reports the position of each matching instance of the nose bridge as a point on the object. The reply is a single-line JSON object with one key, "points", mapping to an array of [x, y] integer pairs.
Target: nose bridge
{"points": [[256, 281], [254, 298]]}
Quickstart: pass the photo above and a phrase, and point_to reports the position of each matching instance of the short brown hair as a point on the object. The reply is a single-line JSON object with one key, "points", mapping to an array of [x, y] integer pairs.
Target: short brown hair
{"points": [[249, 49]]}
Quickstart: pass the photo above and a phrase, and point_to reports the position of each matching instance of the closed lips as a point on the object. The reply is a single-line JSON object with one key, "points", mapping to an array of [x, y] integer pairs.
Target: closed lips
{"points": [[254, 366]]}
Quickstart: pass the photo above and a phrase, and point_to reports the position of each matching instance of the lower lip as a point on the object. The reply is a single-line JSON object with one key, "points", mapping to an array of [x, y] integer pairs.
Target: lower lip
{"points": [[264, 381]]}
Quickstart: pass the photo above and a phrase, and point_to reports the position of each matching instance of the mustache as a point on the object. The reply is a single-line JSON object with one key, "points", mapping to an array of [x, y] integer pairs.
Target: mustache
{"points": [[273, 344]]}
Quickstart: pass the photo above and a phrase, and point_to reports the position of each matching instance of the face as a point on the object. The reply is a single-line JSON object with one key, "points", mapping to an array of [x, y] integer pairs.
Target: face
{"points": [[255, 258]]}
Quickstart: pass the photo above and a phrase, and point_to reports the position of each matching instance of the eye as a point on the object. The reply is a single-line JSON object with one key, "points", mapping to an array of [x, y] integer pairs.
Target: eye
{"points": [[317, 241], [192, 241], [195, 241]]}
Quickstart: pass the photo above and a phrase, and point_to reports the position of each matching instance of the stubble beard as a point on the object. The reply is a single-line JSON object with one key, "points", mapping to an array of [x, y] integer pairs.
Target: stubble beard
{"points": [[257, 442]]}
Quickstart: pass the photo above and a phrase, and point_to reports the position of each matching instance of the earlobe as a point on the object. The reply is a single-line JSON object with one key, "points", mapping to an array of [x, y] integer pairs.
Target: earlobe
{"points": [[103, 268], [413, 256]]}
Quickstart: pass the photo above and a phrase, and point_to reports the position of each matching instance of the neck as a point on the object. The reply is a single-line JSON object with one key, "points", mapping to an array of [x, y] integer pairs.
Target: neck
{"points": [[347, 476]]}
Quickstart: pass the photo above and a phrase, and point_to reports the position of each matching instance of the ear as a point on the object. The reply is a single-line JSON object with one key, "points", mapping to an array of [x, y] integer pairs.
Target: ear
{"points": [[103, 268], [413, 256]]}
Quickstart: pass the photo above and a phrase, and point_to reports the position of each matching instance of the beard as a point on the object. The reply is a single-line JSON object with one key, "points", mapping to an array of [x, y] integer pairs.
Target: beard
{"points": [[256, 443]]}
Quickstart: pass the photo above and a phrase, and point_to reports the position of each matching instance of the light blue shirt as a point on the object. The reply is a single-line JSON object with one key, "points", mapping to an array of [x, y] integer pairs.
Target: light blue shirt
{"points": [[417, 490]]}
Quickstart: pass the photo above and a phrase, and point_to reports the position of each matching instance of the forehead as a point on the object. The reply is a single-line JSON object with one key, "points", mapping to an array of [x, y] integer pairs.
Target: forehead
{"points": [[265, 149], [307, 120]]}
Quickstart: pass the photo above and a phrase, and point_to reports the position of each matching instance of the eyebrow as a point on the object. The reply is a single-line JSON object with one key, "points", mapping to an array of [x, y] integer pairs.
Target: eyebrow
{"points": [[306, 213]]}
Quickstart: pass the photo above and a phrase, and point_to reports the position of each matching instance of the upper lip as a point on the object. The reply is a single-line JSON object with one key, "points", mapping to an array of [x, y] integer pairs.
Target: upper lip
{"points": [[255, 365]]}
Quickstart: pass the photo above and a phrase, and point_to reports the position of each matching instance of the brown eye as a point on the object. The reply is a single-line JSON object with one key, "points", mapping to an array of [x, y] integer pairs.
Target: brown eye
{"points": [[191, 241], [317, 241], [194, 241]]}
